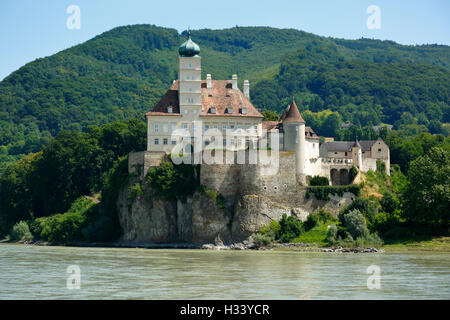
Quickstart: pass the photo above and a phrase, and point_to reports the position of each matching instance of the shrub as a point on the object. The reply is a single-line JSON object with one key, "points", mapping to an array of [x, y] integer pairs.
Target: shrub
{"points": [[322, 192], [262, 240], [356, 224], [67, 227], [271, 230], [135, 191], [389, 203], [21, 232], [290, 228], [332, 234], [171, 182], [319, 181], [311, 221], [353, 173], [365, 206], [384, 221], [325, 217]]}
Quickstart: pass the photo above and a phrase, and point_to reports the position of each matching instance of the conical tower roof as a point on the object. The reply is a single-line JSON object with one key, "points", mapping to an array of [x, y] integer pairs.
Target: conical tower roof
{"points": [[293, 115]]}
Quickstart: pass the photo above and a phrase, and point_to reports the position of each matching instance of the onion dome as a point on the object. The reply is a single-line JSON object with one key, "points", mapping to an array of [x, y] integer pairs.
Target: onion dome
{"points": [[189, 48]]}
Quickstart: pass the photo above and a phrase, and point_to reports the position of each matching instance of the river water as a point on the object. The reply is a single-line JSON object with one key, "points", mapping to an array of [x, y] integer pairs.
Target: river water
{"points": [[39, 272]]}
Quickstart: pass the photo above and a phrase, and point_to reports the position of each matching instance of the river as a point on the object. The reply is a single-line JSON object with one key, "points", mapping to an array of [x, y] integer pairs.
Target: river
{"points": [[40, 272]]}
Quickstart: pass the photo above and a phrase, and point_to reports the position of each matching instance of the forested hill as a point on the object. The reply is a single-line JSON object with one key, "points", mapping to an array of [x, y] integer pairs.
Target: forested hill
{"points": [[121, 73]]}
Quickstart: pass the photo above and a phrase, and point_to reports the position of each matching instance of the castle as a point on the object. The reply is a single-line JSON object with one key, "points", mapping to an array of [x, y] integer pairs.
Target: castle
{"points": [[225, 119]]}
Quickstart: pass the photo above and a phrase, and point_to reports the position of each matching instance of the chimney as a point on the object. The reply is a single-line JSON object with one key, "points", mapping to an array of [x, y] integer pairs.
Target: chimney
{"points": [[247, 89], [234, 82], [208, 81]]}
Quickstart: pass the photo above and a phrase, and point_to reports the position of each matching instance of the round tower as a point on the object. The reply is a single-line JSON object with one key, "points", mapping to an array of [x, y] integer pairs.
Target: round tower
{"points": [[357, 155], [294, 139]]}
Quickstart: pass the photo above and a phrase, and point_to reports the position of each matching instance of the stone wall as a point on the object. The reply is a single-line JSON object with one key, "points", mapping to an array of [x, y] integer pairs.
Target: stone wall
{"points": [[252, 198]]}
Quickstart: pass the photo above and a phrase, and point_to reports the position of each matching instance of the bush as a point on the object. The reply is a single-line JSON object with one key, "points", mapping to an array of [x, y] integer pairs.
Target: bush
{"points": [[21, 232], [365, 206], [319, 181], [67, 227], [271, 230], [322, 192], [353, 173], [262, 240], [332, 234], [356, 224], [290, 228], [325, 217], [311, 221], [171, 182], [384, 221]]}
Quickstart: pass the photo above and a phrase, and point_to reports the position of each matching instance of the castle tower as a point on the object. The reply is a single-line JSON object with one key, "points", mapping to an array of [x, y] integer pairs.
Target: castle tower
{"points": [[357, 155], [294, 139], [189, 80]]}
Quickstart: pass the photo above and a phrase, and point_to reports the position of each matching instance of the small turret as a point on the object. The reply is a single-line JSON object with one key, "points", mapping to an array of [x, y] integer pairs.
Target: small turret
{"points": [[357, 155]]}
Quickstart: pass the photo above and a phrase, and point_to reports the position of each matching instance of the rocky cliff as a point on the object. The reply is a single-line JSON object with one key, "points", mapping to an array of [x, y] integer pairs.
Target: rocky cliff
{"points": [[201, 218]]}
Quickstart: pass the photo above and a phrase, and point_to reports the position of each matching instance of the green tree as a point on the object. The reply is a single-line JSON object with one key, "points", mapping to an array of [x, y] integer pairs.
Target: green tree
{"points": [[428, 192]]}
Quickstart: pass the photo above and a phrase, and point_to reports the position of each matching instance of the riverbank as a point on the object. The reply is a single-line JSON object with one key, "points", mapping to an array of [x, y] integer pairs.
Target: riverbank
{"points": [[439, 244]]}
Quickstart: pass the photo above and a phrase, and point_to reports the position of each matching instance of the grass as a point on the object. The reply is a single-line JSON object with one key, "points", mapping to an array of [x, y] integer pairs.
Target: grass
{"points": [[316, 235], [437, 244]]}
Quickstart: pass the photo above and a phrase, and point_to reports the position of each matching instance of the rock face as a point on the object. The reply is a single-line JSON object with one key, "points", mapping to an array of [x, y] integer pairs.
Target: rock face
{"points": [[201, 220]]}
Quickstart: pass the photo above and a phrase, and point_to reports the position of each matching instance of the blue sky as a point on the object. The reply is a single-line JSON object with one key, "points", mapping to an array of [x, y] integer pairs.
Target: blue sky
{"points": [[30, 29]]}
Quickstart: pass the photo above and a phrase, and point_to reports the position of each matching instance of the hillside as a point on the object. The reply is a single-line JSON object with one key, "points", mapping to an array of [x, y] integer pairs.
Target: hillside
{"points": [[122, 73]]}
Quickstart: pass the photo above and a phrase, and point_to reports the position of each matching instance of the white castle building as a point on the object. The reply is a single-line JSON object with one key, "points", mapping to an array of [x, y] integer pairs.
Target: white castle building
{"points": [[218, 108]]}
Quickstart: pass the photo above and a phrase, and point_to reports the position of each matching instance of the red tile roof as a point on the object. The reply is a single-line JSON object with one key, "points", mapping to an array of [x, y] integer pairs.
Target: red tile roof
{"points": [[293, 115], [220, 96]]}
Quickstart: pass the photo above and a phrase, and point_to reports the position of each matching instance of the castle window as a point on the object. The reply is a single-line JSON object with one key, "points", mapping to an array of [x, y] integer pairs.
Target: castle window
{"points": [[169, 110], [247, 128], [174, 126], [224, 128], [265, 187], [165, 127], [195, 127], [224, 141], [379, 150], [239, 128], [216, 127], [185, 126], [346, 153], [256, 128], [275, 188], [296, 128], [206, 127], [212, 110], [174, 141], [243, 110], [229, 110], [195, 111], [165, 141], [232, 127], [156, 141], [156, 127]]}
